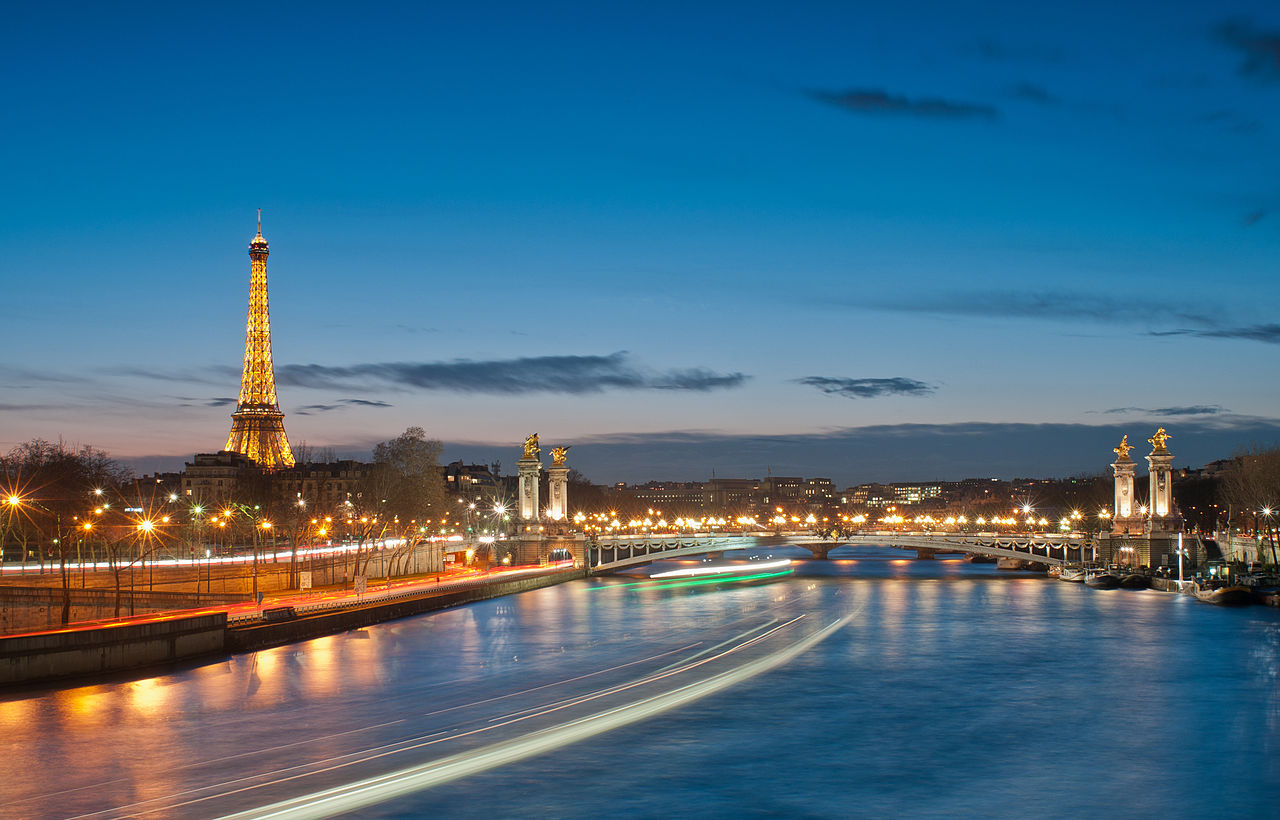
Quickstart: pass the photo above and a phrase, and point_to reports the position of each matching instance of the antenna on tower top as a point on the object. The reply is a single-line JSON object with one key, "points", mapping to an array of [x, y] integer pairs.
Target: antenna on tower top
{"points": [[259, 222]]}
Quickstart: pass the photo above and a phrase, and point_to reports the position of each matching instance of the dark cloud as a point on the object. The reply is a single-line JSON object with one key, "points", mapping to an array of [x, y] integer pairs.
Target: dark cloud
{"points": [[868, 388], [22, 377], [549, 374], [1261, 49], [1034, 93], [875, 101], [1266, 333], [1252, 217], [341, 404], [1190, 410], [188, 401], [902, 452]]}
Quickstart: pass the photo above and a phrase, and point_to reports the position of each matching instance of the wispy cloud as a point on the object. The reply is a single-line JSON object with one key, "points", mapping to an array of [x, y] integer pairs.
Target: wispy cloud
{"points": [[1077, 307], [1037, 305], [216, 401], [868, 388], [1189, 410], [992, 50], [1266, 333], [540, 374], [1034, 93], [877, 101], [1253, 217], [14, 377], [1261, 49], [341, 404]]}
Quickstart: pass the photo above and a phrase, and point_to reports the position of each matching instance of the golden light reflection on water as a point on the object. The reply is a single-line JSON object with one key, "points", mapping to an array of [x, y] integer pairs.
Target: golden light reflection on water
{"points": [[86, 706], [16, 713], [321, 672], [148, 698], [921, 626]]}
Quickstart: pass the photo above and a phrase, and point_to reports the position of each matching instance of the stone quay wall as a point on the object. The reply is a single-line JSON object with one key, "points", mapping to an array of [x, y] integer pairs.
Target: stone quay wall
{"points": [[72, 653], [258, 636]]}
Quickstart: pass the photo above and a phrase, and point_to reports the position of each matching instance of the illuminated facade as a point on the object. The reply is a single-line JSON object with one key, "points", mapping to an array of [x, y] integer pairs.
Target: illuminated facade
{"points": [[257, 427]]}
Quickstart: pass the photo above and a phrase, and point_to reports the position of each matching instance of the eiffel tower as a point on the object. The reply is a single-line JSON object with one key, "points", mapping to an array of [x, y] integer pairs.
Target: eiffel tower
{"points": [[257, 427]]}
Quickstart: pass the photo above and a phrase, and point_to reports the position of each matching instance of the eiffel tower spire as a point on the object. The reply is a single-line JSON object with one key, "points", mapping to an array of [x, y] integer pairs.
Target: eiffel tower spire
{"points": [[257, 426]]}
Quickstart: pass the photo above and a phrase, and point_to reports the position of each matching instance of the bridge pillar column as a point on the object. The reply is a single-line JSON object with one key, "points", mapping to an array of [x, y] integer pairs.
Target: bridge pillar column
{"points": [[923, 554]]}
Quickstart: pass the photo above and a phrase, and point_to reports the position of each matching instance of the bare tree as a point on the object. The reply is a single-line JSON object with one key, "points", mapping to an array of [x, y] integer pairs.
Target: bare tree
{"points": [[52, 485], [1252, 487]]}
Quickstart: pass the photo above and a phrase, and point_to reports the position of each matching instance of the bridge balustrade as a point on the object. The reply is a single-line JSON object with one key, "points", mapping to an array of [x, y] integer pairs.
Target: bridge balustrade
{"points": [[605, 554]]}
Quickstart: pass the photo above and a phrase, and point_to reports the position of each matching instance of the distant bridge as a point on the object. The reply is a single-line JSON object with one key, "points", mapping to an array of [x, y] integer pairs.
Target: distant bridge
{"points": [[608, 554]]}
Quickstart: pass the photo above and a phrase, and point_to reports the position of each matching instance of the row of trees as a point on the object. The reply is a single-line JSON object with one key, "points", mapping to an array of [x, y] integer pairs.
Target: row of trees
{"points": [[69, 505], [52, 491]]}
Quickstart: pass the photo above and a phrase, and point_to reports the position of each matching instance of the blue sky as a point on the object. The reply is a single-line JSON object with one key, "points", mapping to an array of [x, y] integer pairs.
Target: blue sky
{"points": [[891, 241]]}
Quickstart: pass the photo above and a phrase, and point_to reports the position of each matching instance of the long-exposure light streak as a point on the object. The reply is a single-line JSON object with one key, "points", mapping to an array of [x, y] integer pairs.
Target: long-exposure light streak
{"points": [[259, 780], [695, 582], [370, 791], [711, 649], [693, 572]]}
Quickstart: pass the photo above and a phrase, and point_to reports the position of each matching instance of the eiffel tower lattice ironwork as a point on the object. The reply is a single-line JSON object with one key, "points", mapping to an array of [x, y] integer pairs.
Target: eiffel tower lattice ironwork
{"points": [[257, 426]]}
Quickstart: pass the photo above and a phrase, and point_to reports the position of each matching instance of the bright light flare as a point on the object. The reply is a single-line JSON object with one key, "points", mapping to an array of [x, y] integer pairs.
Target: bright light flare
{"points": [[751, 568]]}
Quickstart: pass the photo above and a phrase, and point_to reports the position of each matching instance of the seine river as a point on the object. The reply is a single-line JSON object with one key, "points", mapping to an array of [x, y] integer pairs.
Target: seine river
{"points": [[867, 685]]}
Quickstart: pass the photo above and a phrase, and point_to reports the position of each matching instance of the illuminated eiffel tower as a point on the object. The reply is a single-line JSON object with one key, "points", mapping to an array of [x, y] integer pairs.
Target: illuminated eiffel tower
{"points": [[257, 427]]}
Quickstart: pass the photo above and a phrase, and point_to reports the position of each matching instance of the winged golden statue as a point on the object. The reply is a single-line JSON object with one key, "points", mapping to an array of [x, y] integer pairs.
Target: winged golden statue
{"points": [[1123, 450], [531, 448], [1159, 439], [558, 455]]}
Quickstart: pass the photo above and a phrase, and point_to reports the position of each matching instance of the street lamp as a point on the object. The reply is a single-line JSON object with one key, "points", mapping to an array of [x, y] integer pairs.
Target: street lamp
{"points": [[1181, 552]]}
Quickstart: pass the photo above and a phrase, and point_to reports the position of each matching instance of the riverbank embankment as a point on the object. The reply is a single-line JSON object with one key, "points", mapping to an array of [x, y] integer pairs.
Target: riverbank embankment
{"points": [[174, 638]]}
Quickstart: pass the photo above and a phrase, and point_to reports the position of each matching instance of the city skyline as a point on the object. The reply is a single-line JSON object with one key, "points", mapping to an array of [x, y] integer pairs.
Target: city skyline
{"points": [[814, 241]]}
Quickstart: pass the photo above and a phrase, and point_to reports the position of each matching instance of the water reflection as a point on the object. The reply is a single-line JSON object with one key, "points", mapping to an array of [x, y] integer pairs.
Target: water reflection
{"points": [[948, 675]]}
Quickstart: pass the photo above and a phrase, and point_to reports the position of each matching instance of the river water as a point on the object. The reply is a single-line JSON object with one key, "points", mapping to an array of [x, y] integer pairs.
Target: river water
{"points": [[867, 685]]}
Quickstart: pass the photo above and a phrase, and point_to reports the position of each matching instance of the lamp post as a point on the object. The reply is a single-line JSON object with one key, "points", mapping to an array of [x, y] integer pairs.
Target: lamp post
{"points": [[1181, 552], [265, 526], [1266, 514]]}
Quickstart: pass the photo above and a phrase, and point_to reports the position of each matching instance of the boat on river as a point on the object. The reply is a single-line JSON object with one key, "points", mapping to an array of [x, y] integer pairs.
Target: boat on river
{"points": [[1135, 580], [1267, 596], [1265, 588], [1101, 579], [1074, 574], [1210, 593]]}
